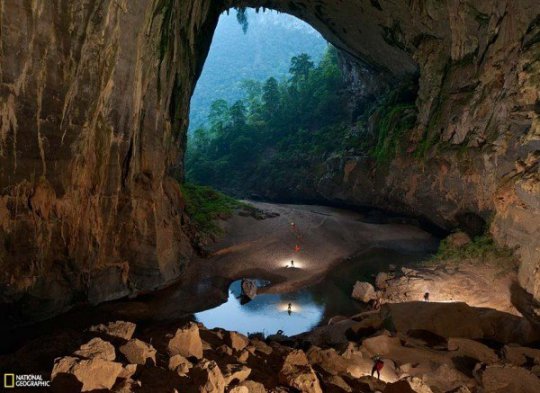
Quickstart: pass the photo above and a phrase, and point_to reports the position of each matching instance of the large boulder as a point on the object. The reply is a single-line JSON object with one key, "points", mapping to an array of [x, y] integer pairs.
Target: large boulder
{"points": [[297, 373], [93, 374], [521, 355], [235, 372], [239, 389], [409, 385], [128, 371], [261, 346], [382, 344], [253, 387], [187, 342], [381, 281], [138, 352], [119, 329], [180, 365], [364, 292], [497, 379], [236, 340], [97, 348], [472, 349], [249, 288], [443, 319], [337, 382], [328, 359], [207, 377], [507, 328]]}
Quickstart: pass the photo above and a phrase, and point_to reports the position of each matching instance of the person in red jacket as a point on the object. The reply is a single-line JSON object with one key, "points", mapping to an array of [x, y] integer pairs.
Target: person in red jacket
{"points": [[377, 366]]}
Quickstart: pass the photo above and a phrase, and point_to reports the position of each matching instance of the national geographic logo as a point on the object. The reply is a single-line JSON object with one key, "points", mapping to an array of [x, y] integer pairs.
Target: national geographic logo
{"points": [[25, 381]]}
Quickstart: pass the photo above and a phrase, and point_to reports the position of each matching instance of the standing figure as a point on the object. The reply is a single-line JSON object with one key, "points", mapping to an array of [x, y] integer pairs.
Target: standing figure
{"points": [[377, 366], [292, 263], [289, 310], [426, 297]]}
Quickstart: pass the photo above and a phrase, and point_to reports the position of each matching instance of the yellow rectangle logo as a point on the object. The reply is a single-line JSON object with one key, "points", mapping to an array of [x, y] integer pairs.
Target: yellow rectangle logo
{"points": [[9, 380]]}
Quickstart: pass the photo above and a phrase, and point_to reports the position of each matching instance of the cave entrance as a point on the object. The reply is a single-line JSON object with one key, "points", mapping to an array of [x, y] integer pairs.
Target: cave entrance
{"points": [[278, 109], [270, 85]]}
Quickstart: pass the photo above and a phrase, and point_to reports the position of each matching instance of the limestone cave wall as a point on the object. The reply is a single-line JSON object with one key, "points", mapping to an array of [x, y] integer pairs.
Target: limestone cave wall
{"points": [[93, 114]]}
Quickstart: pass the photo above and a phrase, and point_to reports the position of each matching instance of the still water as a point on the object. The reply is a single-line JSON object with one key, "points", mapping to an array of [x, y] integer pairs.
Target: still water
{"points": [[267, 313], [310, 306]]}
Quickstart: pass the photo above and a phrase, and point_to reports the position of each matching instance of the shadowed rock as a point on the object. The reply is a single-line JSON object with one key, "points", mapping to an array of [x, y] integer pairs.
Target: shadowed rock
{"points": [[139, 352], [93, 374], [187, 342]]}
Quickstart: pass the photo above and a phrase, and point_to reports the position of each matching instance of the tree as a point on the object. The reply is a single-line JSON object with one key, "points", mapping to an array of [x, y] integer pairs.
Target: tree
{"points": [[301, 65], [238, 114], [276, 127], [219, 114], [271, 97]]}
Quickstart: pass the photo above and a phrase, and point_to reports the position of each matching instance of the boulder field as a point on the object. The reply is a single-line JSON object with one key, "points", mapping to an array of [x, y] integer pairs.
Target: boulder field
{"points": [[446, 347]]}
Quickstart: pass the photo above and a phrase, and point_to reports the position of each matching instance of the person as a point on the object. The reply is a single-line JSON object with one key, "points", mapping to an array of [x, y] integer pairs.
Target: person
{"points": [[292, 263], [289, 310], [426, 297], [377, 366]]}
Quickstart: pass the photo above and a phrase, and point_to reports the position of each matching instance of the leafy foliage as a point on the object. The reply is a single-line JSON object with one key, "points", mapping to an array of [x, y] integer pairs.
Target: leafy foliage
{"points": [[276, 127], [264, 50], [482, 249], [391, 118], [205, 205]]}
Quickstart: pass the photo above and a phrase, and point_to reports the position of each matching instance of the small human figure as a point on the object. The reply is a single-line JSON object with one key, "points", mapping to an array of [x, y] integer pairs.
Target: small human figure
{"points": [[377, 366], [289, 309], [426, 297], [292, 263]]}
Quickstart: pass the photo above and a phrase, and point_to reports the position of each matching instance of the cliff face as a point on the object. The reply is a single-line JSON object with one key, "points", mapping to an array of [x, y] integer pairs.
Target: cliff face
{"points": [[93, 112], [93, 108], [473, 156]]}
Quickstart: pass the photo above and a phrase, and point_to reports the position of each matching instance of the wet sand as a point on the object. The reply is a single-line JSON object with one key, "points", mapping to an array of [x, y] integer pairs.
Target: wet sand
{"points": [[320, 238], [315, 237]]}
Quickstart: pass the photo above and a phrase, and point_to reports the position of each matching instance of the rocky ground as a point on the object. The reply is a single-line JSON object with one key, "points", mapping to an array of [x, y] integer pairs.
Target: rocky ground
{"points": [[468, 337], [445, 347]]}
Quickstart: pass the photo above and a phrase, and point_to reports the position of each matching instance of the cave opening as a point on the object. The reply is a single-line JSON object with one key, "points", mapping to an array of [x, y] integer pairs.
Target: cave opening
{"points": [[278, 112], [424, 107]]}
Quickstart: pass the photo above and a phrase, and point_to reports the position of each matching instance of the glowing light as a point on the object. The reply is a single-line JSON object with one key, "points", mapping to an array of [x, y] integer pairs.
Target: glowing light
{"points": [[284, 307], [298, 264]]}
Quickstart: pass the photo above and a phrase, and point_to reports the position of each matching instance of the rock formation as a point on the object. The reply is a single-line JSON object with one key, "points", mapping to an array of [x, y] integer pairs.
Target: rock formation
{"points": [[93, 114], [420, 355]]}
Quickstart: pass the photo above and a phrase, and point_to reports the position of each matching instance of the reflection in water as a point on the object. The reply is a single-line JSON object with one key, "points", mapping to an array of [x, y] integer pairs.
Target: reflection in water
{"points": [[267, 313], [304, 309]]}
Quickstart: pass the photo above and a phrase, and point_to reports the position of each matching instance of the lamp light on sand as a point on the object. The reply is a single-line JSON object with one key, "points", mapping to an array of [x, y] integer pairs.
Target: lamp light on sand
{"points": [[435, 297], [293, 263]]}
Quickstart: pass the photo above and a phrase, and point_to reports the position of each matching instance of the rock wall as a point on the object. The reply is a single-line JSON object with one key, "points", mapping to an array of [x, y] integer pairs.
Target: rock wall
{"points": [[475, 150], [93, 108], [93, 112]]}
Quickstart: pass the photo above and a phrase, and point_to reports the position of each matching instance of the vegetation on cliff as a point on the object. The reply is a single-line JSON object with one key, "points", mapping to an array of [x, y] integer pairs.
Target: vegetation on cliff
{"points": [[205, 206], [481, 250]]}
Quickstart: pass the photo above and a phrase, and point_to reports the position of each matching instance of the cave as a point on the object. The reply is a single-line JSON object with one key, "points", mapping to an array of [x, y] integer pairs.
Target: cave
{"points": [[94, 107]]}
